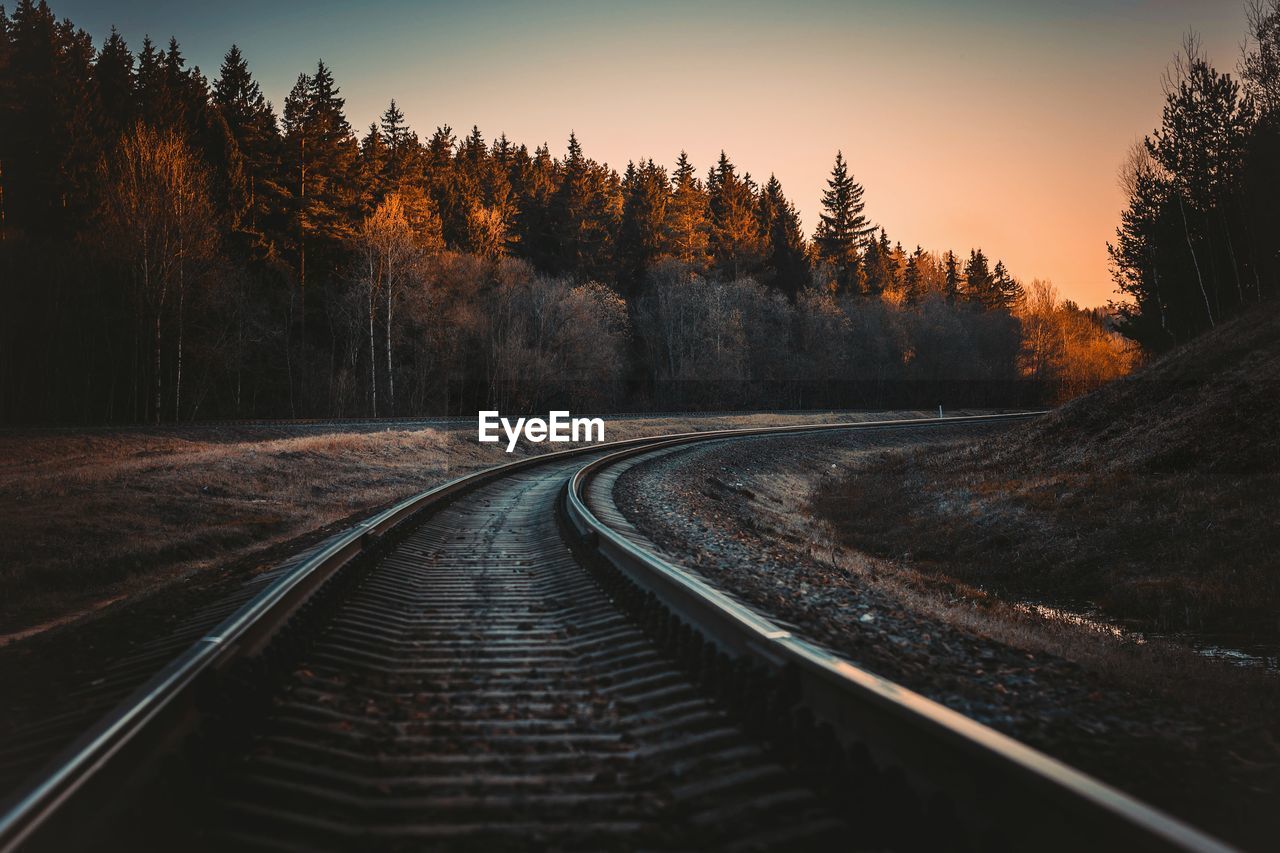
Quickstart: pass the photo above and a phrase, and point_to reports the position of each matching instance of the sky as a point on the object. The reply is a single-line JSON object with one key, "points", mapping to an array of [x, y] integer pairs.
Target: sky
{"points": [[989, 123]]}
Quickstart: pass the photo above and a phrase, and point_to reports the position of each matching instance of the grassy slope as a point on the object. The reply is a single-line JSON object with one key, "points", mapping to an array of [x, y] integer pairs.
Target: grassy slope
{"points": [[1154, 497]]}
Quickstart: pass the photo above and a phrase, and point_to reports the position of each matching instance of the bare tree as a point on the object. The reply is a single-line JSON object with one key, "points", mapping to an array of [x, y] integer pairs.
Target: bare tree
{"points": [[1260, 54], [157, 220], [391, 244]]}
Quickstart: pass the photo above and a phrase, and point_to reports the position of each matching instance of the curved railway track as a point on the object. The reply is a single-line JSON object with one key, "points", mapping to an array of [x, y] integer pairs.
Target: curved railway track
{"points": [[499, 663]]}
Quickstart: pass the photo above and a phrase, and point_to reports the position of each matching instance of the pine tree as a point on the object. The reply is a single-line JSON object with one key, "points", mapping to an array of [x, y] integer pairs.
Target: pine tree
{"points": [[84, 144], [535, 181], [150, 80], [898, 264], [113, 74], [646, 194], [735, 232], [979, 283], [1201, 145], [878, 266], [485, 202], [913, 278], [471, 166], [952, 281], [331, 153], [687, 225], [320, 162], [297, 162], [785, 252], [444, 186], [1007, 289], [395, 132], [404, 172], [502, 152], [843, 228], [48, 143], [179, 105], [586, 212], [252, 125], [1140, 241], [372, 167]]}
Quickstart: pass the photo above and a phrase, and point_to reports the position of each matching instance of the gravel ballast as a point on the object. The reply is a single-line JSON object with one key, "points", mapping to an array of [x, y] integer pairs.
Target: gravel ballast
{"points": [[734, 512]]}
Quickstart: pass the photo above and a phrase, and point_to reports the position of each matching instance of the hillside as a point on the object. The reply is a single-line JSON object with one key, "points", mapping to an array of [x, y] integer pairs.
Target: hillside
{"points": [[1153, 499], [1209, 407]]}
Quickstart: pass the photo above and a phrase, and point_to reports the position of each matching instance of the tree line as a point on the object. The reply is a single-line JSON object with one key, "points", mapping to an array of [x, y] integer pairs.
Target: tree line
{"points": [[1199, 239], [174, 248]]}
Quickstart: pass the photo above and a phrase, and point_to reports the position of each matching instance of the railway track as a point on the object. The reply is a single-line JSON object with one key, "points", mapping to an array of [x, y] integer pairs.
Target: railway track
{"points": [[499, 664]]}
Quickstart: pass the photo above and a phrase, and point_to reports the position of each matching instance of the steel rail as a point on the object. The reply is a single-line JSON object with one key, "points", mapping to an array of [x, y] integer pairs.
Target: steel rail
{"points": [[1024, 797], [110, 755]]}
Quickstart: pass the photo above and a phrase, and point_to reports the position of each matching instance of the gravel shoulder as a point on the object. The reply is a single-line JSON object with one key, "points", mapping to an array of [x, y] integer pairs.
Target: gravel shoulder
{"points": [[1192, 736]]}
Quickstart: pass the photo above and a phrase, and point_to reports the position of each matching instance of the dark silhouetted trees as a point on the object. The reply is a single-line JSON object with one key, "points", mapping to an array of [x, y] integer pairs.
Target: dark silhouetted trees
{"points": [[1200, 237], [843, 228], [174, 247]]}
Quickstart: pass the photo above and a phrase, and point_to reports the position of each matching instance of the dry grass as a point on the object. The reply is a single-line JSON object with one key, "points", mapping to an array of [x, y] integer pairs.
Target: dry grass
{"points": [[1154, 498], [1162, 552], [95, 519], [1150, 668]]}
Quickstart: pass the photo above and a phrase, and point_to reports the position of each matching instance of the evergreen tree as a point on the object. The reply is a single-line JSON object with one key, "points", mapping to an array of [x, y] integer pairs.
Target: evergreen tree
{"points": [[913, 278], [1007, 289], [484, 196], [586, 211], [951, 282], [979, 284], [113, 74], [646, 194], [785, 252], [150, 80], [82, 141], [372, 167], [183, 100], [898, 264], [1150, 312], [502, 153], [535, 181], [687, 225], [329, 200], [735, 238], [843, 228], [48, 143], [880, 273], [1201, 145], [471, 166], [296, 163], [398, 138], [444, 185], [251, 123]]}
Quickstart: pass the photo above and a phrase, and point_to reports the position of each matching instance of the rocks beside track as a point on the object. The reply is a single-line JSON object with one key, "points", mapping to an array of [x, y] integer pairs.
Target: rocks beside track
{"points": [[735, 513]]}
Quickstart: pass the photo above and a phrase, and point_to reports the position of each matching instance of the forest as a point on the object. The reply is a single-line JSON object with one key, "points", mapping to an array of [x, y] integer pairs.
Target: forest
{"points": [[173, 248], [1199, 239]]}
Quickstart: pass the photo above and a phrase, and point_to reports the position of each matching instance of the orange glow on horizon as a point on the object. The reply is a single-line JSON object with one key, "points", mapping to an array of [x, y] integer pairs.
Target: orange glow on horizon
{"points": [[998, 125]]}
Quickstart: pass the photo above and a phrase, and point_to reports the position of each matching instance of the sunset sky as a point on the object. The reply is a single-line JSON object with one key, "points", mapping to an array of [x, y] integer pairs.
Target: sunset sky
{"points": [[991, 123]]}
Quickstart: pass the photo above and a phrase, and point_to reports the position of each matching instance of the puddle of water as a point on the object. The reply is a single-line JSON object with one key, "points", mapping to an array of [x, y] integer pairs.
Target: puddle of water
{"points": [[1254, 657], [1244, 654]]}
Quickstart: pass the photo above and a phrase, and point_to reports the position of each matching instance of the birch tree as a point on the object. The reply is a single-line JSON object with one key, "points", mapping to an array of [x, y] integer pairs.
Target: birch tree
{"points": [[158, 222]]}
